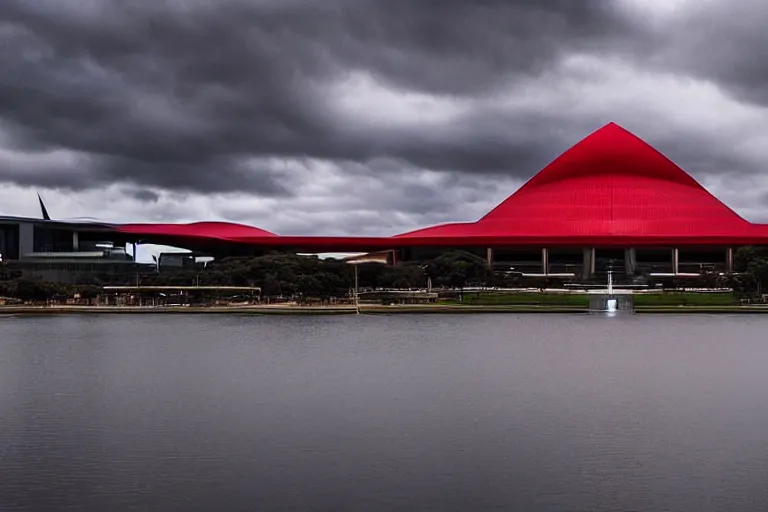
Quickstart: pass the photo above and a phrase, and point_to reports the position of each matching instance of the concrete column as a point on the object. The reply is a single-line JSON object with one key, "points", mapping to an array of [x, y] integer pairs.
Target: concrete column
{"points": [[489, 257], [544, 261], [588, 267], [394, 257], [675, 261], [75, 240], [630, 260], [729, 260]]}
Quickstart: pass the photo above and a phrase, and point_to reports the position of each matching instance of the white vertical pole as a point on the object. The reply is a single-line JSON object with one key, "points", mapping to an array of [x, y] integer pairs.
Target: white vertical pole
{"points": [[357, 302], [675, 261]]}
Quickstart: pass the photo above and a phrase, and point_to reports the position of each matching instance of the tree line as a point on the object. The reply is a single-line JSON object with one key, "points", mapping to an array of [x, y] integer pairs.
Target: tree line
{"points": [[277, 274], [290, 275]]}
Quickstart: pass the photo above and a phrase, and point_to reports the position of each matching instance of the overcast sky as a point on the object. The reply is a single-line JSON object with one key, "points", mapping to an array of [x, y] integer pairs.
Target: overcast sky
{"points": [[363, 117]]}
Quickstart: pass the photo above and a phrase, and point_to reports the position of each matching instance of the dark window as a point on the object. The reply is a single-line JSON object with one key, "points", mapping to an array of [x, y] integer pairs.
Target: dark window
{"points": [[565, 260], [9, 241], [52, 240]]}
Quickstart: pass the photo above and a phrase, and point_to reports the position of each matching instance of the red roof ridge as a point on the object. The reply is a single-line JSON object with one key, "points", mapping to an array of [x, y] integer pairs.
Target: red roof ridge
{"points": [[615, 150], [608, 152], [611, 184]]}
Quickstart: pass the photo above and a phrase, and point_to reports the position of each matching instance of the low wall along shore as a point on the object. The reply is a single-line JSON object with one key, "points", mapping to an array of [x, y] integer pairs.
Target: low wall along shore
{"points": [[480, 302]]}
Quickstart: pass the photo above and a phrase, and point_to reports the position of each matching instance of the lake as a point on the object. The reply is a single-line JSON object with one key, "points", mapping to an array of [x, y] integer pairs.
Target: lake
{"points": [[377, 413]]}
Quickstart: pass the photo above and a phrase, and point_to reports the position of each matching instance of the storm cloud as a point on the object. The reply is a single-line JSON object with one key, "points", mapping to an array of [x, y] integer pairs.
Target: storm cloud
{"points": [[363, 116]]}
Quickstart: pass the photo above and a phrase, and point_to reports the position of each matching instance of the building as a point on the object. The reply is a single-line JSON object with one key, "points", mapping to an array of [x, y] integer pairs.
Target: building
{"points": [[60, 251], [178, 260], [610, 200]]}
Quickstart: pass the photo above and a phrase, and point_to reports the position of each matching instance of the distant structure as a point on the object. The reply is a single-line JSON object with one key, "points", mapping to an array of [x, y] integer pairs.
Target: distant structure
{"points": [[60, 251], [610, 200], [178, 260], [43, 209]]}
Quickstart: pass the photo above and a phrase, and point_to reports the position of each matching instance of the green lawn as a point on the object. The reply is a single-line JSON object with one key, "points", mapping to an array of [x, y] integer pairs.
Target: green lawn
{"points": [[582, 300], [686, 299], [532, 299]]}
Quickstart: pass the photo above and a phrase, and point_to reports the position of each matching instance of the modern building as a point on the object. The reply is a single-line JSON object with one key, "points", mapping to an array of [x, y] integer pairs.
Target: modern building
{"points": [[60, 251], [610, 200]]}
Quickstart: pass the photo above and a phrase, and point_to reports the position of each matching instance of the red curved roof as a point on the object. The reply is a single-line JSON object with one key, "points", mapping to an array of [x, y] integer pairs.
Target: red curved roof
{"points": [[610, 189], [215, 230]]}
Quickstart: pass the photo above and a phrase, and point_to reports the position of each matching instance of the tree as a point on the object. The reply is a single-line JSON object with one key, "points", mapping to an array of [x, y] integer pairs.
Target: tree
{"points": [[751, 267], [37, 291], [88, 292], [402, 276], [457, 268]]}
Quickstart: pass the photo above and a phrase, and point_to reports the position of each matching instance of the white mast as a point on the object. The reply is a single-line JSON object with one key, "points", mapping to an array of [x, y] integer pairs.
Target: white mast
{"points": [[610, 282]]}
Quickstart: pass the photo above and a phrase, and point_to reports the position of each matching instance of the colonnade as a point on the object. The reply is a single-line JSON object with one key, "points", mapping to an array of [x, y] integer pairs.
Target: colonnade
{"points": [[629, 263]]}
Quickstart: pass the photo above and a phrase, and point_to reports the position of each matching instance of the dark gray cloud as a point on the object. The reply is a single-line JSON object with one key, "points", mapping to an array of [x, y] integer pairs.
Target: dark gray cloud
{"points": [[177, 94], [724, 42], [142, 194], [247, 96]]}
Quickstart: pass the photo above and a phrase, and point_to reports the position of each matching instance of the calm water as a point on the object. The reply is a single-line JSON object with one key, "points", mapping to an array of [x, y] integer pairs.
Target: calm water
{"points": [[529, 413]]}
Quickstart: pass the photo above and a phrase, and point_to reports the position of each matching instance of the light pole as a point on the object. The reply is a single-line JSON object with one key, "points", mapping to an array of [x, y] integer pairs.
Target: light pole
{"points": [[357, 295], [367, 258]]}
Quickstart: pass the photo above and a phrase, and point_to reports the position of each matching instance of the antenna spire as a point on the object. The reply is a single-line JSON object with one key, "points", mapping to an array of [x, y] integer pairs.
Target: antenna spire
{"points": [[43, 209]]}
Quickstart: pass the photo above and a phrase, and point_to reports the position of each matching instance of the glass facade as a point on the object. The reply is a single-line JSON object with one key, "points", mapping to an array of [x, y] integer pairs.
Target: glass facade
{"points": [[53, 240], [79, 272], [9, 241]]}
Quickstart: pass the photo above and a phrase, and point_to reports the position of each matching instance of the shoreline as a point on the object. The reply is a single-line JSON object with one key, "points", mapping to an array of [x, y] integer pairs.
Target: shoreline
{"points": [[366, 309]]}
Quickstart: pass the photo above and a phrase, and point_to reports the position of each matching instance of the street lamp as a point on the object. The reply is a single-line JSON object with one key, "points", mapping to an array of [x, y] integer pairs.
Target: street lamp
{"points": [[381, 257]]}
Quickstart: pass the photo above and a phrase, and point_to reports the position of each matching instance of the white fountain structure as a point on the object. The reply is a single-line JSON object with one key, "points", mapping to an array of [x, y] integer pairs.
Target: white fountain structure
{"points": [[611, 303], [608, 300]]}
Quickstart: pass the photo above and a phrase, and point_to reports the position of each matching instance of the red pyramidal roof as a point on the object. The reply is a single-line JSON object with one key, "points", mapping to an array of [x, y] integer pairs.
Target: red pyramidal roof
{"points": [[611, 188]]}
